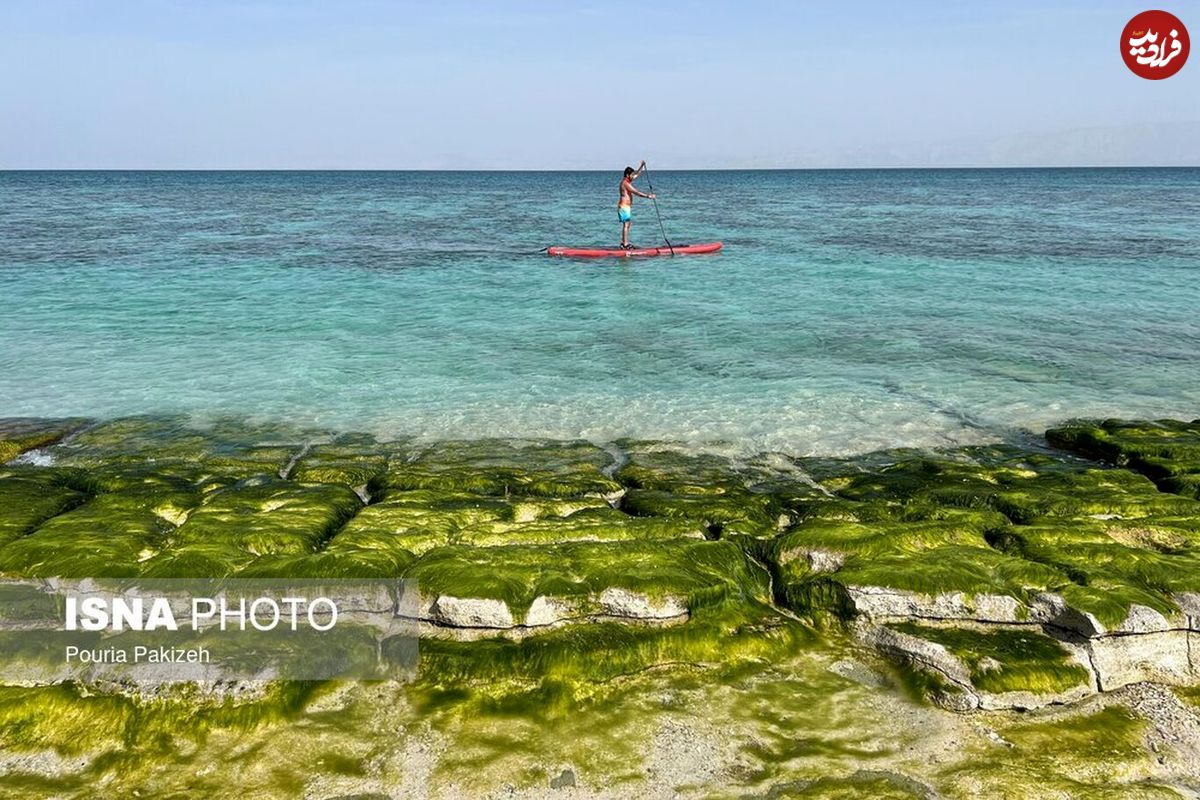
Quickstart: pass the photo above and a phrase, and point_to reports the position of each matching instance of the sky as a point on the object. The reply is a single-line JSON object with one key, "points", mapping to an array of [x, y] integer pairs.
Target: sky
{"points": [[519, 84]]}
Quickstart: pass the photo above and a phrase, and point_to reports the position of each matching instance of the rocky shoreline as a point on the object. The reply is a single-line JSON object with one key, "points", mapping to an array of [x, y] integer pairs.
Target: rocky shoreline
{"points": [[990, 578]]}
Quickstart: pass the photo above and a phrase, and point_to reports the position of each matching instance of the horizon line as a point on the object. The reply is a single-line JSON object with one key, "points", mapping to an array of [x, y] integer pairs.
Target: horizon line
{"points": [[595, 169]]}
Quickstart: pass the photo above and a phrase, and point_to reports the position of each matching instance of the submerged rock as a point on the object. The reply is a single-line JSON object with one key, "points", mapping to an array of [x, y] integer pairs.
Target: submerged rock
{"points": [[503, 468], [19, 434]]}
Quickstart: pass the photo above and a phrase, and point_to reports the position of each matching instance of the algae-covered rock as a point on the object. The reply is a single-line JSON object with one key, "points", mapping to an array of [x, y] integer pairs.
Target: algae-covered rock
{"points": [[425, 518], [341, 463], [864, 784], [590, 525], [342, 562], [1168, 451], [996, 667], [503, 467], [1113, 565], [913, 479], [29, 497], [108, 536], [1089, 493], [733, 512], [670, 468], [1023, 486], [942, 568], [642, 580], [277, 517], [216, 559], [158, 437], [234, 526], [228, 448], [18, 434]]}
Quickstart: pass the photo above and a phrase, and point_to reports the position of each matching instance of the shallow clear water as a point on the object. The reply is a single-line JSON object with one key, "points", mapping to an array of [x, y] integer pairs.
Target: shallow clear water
{"points": [[850, 310]]}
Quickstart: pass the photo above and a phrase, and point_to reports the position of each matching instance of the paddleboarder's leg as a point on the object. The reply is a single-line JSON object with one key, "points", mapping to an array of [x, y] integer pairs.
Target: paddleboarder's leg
{"points": [[625, 216]]}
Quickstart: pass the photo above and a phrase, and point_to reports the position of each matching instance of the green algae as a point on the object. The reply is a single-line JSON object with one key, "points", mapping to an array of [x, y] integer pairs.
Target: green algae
{"points": [[1094, 755], [776, 726], [1107, 574], [550, 675], [915, 479], [421, 520], [1126, 442], [19, 434], [233, 527], [1190, 695], [589, 525], [224, 452], [503, 467], [273, 518], [732, 512], [924, 686], [696, 571], [108, 536], [1091, 492], [801, 722], [424, 519], [664, 468], [1006, 660], [340, 563], [852, 538], [344, 464], [517, 535], [123, 743], [971, 570], [71, 720], [1168, 451], [198, 560], [157, 437], [601, 737], [1023, 486], [817, 561], [1186, 485], [859, 785], [30, 497]]}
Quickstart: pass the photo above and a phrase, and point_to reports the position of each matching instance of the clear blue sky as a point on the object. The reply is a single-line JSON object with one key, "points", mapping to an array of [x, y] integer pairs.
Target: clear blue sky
{"points": [[455, 84]]}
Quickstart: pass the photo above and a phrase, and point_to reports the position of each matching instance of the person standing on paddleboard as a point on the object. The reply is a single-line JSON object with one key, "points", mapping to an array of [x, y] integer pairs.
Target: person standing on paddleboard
{"points": [[625, 201]]}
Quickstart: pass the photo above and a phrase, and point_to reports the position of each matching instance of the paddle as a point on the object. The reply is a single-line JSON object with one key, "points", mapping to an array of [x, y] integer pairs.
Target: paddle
{"points": [[670, 247]]}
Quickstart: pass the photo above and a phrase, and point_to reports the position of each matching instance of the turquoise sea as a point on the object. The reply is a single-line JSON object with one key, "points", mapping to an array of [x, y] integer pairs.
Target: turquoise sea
{"points": [[849, 311]]}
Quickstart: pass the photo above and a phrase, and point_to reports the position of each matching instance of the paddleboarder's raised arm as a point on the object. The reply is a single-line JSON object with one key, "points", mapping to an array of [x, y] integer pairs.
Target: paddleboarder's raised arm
{"points": [[629, 182]]}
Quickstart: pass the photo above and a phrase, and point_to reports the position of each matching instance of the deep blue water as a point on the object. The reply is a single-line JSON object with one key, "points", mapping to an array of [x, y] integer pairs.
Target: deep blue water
{"points": [[850, 310]]}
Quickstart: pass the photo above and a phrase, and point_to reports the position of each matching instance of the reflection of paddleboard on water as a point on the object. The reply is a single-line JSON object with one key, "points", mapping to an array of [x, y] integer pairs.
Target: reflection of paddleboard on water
{"points": [[585, 251], [618, 252]]}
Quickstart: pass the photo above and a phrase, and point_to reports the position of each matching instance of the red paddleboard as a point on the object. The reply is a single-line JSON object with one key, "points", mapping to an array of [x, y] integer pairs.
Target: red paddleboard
{"points": [[617, 252]]}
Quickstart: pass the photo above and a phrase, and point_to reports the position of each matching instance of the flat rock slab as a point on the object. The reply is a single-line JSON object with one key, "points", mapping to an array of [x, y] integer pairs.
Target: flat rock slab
{"points": [[505, 587], [991, 667]]}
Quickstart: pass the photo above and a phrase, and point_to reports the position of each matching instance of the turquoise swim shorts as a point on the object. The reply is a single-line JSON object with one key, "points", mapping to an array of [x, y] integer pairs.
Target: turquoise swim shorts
{"points": [[624, 213]]}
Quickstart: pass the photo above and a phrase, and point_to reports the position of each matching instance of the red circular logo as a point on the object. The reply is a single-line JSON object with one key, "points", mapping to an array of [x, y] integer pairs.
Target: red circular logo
{"points": [[1155, 45]]}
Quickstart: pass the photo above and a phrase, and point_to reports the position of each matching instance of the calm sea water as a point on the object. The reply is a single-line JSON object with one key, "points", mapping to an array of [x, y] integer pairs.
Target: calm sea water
{"points": [[850, 310]]}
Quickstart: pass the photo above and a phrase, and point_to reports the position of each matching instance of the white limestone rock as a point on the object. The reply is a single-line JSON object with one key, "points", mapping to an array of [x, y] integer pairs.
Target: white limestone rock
{"points": [[1156, 657], [619, 602], [471, 613], [877, 602], [545, 611]]}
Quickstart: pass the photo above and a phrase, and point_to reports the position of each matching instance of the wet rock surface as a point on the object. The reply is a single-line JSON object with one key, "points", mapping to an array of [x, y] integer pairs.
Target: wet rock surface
{"points": [[991, 578]]}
